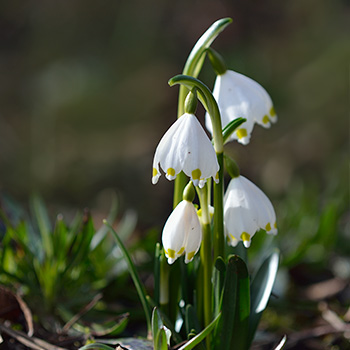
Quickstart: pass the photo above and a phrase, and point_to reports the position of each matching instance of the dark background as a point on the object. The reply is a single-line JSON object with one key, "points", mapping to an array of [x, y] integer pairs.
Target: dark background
{"points": [[84, 98]]}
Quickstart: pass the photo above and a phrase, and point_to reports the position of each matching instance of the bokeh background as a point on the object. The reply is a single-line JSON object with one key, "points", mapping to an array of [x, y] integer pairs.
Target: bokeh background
{"points": [[84, 98]]}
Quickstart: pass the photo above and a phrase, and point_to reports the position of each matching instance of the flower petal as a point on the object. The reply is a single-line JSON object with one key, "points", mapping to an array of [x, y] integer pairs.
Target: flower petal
{"points": [[186, 147], [240, 96]]}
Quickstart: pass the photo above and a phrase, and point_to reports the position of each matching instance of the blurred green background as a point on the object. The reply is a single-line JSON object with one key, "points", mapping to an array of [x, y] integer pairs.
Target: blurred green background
{"points": [[84, 98]]}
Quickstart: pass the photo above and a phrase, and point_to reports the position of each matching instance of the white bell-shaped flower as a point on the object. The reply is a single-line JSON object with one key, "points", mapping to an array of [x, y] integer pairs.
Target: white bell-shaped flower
{"points": [[240, 96], [186, 147], [182, 233], [246, 210]]}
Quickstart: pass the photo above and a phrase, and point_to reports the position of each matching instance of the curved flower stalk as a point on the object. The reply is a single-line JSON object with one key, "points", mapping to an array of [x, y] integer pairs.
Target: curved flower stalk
{"points": [[240, 96], [182, 233], [246, 210], [186, 147]]}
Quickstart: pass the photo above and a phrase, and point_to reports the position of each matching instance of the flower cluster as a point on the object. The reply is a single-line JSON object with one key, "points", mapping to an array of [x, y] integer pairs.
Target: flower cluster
{"points": [[186, 147]]}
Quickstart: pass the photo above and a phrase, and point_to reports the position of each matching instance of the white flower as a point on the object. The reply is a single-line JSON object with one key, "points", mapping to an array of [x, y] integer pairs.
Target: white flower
{"points": [[186, 147], [182, 233], [239, 96], [246, 210]]}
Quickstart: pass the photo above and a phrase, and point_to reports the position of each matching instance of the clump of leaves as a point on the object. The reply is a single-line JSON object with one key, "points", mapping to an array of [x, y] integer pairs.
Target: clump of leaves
{"points": [[59, 267]]}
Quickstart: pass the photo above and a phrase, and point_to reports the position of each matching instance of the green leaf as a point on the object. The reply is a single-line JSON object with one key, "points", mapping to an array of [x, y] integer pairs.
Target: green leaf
{"points": [[232, 331], [135, 277], [231, 127], [261, 288], [166, 321], [202, 335], [156, 327], [110, 328], [101, 233], [157, 257], [218, 283], [191, 319], [43, 221], [196, 57], [281, 344]]}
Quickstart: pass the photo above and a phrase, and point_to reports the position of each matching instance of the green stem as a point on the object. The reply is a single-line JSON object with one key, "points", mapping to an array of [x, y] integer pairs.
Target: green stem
{"points": [[135, 277], [206, 257], [192, 68], [209, 103], [219, 238]]}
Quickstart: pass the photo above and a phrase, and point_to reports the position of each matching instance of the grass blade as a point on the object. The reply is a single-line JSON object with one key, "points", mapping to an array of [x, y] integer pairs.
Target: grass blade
{"points": [[135, 277], [202, 335], [44, 225], [261, 288]]}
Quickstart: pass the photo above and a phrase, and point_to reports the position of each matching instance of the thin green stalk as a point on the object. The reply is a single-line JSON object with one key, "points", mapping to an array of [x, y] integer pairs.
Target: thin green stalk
{"points": [[206, 258], [135, 277], [209, 103], [219, 238], [192, 68]]}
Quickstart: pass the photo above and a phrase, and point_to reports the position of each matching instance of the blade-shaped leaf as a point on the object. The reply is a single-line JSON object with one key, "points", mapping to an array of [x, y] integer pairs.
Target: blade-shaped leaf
{"points": [[281, 344], [135, 277], [261, 288], [43, 221], [201, 336], [231, 127], [191, 320], [232, 331]]}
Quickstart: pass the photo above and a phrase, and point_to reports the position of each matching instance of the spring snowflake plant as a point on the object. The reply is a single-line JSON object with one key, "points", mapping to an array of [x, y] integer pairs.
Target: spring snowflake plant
{"points": [[202, 294]]}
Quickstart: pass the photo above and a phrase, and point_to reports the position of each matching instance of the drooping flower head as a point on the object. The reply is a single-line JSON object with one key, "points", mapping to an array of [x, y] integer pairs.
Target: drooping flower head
{"points": [[240, 96], [182, 233], [246, 210], [186, 147]]}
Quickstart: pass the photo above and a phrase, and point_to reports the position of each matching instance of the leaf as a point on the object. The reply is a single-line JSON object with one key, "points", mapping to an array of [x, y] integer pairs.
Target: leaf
{"points": [[202, 335], [157, 257], [135, 277], [241, 323], [109, 328], [218, 283], [196, 57], [166, 321], [261, 288], [101, 233], [232, 331], [231, 127], [191, 320], [43, 221], [282, 343]]}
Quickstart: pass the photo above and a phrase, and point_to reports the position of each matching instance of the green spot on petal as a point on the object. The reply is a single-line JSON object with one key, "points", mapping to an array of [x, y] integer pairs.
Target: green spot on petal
{"points": [[196, 174], [233, 238], [171, 253], [190, 255], [275, 225], [155, 172], [241, 133], [272, 112], [245, 237], [268, 227], [266, 119], [181, 251], [171, 172]]}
